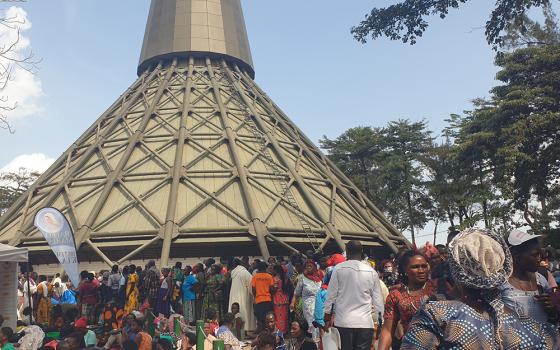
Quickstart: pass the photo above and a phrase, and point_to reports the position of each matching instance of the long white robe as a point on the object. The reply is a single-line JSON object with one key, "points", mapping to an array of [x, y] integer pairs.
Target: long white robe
{"points": [[241, 293], [33, 289]]}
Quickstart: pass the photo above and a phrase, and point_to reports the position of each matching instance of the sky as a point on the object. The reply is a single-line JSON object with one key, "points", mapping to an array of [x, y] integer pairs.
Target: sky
{"points": [[304, 56]]}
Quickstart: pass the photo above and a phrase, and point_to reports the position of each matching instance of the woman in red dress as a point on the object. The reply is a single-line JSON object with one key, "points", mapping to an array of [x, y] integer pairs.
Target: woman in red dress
{"points": [[280, 297], [405, 300]]}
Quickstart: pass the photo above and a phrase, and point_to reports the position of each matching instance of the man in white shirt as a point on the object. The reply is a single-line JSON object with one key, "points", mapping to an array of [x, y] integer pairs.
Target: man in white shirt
{"points": [[353, 289]]}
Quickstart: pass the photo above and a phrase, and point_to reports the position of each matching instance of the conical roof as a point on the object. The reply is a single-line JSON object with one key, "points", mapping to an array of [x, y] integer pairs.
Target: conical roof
{"points": [[194, 159]]}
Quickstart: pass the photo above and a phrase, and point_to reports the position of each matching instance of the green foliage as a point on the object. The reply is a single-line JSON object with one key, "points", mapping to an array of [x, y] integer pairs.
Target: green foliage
{"points": [[355, 151], [401, 172], [384, 163], [445, 182], [516, 134], [13, 185], [524, 31], [408, 20]]}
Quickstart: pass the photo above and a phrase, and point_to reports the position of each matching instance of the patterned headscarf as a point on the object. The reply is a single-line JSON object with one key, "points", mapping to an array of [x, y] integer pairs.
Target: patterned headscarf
{"points": [[480, 259]]}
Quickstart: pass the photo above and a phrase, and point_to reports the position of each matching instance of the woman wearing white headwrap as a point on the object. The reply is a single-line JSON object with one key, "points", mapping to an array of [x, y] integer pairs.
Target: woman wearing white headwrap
{"points": [[480, 263], [528, 292]]}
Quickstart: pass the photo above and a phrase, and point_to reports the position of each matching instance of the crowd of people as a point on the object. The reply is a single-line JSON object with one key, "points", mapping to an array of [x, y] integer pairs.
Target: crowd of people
{"points": [[480, 291]]}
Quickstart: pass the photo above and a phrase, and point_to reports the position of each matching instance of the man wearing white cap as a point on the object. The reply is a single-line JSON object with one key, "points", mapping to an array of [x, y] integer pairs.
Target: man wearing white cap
{"points": [[527, 292]]}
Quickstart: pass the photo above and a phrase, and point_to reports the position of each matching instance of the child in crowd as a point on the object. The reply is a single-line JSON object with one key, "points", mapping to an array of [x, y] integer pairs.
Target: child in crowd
{"points": [[188, 341], [212, 320], [6, 334], [89, 337], [238, 323]]}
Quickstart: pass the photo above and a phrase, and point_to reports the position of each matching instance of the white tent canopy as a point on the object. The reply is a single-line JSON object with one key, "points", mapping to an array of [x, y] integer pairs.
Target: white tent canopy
{"points": [[9, 259], [9, 253]]}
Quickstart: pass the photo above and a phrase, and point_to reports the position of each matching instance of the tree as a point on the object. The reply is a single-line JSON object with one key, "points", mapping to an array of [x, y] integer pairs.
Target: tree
{"points": [[444, 182], [524, 31], [407, 20], [466, 187], [402, 172], [11, 58], [438, 184], [384, 163], [518, 131], [355, 151], [13, 185]]}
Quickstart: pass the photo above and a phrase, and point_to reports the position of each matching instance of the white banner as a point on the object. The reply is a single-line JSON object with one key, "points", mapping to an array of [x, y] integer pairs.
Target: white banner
{"points": [[58, 233]]}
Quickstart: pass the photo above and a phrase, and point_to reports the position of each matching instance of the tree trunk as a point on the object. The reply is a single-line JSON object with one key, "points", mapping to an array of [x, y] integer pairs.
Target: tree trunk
{"points": [[435, 230], [463, 214], [505, 223], [466, 212], [366, 178], [484, 201], [409, 203], [545, 217], [527, 216], [485, 213], [451, 217]]}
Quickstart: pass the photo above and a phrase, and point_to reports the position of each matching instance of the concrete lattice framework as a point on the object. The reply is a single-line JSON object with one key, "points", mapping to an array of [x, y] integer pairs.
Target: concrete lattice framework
{"points": [[195, 160]]}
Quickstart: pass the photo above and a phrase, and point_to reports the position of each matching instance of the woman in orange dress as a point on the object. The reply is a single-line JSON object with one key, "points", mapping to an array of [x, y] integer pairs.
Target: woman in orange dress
{"points": [[280, 297]]}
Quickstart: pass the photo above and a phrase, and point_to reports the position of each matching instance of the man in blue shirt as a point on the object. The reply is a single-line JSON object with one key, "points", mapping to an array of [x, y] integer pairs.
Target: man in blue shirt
{"points": [[189, 295]]}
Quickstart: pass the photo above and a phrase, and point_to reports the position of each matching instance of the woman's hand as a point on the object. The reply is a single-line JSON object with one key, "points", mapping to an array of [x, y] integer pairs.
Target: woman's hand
{"points": [[329, 322], [549, 308]]}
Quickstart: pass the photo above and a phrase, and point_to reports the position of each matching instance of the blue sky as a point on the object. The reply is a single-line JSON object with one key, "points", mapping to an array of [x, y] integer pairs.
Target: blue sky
{"points": [[305, 59]]}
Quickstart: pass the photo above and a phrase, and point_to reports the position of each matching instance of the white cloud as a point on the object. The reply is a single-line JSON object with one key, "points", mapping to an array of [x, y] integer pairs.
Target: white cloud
{"points": [[35, 162], [24, 89]]}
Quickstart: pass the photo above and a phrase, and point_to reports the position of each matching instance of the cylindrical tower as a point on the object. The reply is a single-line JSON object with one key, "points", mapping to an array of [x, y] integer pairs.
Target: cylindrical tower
{"points": [[196, 28]]}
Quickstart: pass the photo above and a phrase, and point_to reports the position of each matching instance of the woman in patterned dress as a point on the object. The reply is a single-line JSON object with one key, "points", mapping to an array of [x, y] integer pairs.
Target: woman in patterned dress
{"points": [[480, 263], [307, 288], [164, 296], [214, 294], [132, 292], [404, 301], [280, 297], [178, 277], [299, 337], [198, 271], [224, 333], [296, 306]]}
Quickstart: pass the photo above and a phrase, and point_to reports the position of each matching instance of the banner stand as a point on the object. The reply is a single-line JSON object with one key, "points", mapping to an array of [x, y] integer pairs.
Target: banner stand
{"points": [[59, 235]]}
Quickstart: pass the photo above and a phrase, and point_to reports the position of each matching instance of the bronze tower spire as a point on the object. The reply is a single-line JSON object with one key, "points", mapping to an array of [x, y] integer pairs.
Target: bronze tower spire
{"points": [[196, 28]]}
